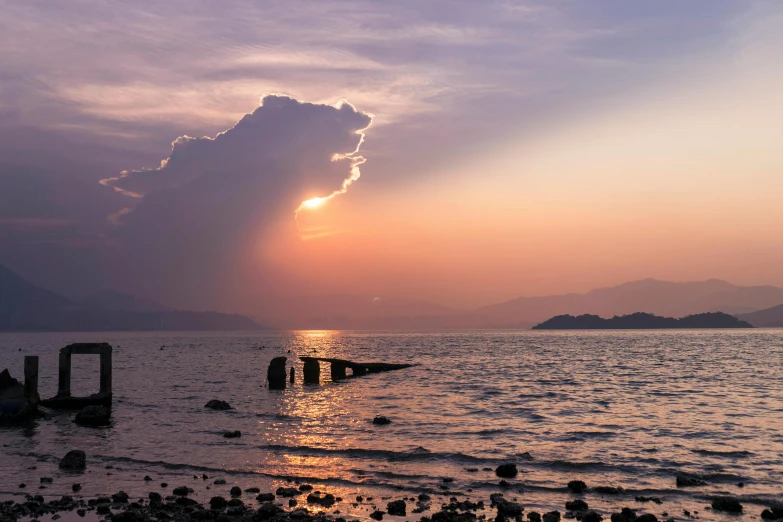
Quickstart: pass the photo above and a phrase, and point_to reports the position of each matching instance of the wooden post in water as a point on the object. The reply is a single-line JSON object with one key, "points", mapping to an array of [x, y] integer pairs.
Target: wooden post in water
{"points": [[276, 374]]}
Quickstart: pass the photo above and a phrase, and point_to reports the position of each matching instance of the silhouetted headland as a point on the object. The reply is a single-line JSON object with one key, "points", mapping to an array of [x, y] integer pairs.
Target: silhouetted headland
{"points": [[27, 307], [641, 321]]}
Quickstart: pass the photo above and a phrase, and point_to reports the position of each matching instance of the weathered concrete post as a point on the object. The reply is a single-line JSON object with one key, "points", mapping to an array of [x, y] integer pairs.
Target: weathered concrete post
{"points": [[338, 370], [31, 381], [311, 371], [276, 374], [105, 372], [64, 381], [292, 373]]}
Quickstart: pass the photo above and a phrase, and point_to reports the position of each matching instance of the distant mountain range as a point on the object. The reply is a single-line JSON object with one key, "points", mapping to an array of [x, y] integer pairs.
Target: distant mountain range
{"points": [[652, 296], [26, 307], [769, 318], [641, 321]]}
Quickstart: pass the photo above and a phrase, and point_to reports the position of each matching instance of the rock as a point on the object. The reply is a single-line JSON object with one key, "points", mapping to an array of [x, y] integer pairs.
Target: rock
{"points": [[7, 382], [552, 516], [252, 490], [236, 491], [215, 404], [380, 420], [397, 508], [120, 497], [647, 517], [423, 497], [505, 508], [775, 512], [287, 492], [147, 478], [182, 491], [232, 434], [656, 500], [93, 416], [76, 487], [267, 511], [74, 460], [218, 503], [577, 486], [534, 516], [219, 482], [506, 470], [608, 490], [305, 487], [327, 500], [377, 515], [265, 497], [235, 502], [684, 481], [576, 505], [727, 504], [626, 515], [592, 516], [22, 485], [155, 498], [46, 480]]}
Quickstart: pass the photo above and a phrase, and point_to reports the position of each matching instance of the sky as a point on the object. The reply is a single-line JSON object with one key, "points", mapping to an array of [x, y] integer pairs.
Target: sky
{"points": [[462, 153]]}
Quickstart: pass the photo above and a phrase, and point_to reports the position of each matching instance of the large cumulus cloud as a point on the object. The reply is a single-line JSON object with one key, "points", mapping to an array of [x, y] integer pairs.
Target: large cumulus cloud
{"points": [[193, 225]]}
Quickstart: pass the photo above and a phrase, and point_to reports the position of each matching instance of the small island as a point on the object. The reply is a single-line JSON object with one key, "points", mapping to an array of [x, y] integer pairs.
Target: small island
{"points": [[641, 321]]}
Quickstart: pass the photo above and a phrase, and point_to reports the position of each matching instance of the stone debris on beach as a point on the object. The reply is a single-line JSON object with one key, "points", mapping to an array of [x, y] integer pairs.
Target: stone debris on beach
{"points": [[397, 508], [380, 420], [75, 460], [577, 486]]}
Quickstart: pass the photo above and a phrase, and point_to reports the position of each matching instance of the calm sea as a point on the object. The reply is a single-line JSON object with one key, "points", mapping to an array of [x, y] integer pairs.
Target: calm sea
{"points": [[622, 408]]}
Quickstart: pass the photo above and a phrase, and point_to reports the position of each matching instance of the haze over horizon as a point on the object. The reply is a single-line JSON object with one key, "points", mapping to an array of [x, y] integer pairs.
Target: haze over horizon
{"points": [[239, 156]]}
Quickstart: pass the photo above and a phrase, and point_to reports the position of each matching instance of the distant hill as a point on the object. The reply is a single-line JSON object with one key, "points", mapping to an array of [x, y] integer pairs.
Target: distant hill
{"points": [[657, 297], [641, 321], [111, 300], [26, 307], [769, 318]]}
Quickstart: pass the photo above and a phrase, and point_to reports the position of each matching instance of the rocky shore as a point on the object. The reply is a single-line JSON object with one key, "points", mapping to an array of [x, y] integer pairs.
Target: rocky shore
{"points": [[298, 502]]}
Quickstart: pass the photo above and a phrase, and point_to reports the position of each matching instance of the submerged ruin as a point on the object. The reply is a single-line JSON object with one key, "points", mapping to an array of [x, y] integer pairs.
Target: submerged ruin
{"points": [[21, 402]]}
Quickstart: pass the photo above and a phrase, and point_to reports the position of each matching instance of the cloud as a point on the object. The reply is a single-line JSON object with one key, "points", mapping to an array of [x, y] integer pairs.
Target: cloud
{"points": [[196, 222]]}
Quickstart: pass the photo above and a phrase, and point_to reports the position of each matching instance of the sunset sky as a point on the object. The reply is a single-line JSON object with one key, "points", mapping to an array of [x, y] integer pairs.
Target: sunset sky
{"points": [[506, 148]]}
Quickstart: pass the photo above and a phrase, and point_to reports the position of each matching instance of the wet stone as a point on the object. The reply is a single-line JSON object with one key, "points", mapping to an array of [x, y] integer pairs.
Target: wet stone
{"points": [[377, 515], [576, 505], [577, 486], [74, 460], [534, 516], [215, 404], [507, 470], [397, 508], [727, 504], [380, 420], [592, 516]]}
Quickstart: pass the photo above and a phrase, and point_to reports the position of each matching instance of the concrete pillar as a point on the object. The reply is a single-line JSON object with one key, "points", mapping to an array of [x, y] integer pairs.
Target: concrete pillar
{"points": [[311, 372], [106, 373], [292, 373], [64, 381], [276, 374], [31, 380], [338, 371]]}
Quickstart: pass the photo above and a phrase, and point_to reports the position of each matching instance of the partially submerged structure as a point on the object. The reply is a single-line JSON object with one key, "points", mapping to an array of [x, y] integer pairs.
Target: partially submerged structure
{"points": [[20, 402], [339, 368]]}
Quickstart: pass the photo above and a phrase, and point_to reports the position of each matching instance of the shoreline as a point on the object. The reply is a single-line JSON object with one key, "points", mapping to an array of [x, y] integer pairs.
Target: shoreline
{"points": [[182, 496]]}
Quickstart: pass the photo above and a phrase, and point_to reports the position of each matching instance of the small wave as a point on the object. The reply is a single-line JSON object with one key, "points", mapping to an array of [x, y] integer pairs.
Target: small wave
{"points": [[389, 455], [728, 454]]}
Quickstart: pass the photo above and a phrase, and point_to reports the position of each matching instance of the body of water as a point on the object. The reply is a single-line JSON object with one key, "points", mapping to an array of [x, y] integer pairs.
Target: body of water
{"points": [[629, 409]]}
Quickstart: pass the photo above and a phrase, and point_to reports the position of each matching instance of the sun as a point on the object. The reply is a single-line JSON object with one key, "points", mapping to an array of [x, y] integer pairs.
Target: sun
{"points": [[313, 203]]}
